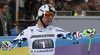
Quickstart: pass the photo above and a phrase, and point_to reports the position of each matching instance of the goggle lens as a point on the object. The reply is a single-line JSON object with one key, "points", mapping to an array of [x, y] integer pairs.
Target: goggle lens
{"points": [[49, 15]]}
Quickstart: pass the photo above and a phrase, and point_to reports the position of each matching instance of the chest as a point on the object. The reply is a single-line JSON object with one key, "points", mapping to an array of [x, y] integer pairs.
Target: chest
{"points": [[43, 39]]}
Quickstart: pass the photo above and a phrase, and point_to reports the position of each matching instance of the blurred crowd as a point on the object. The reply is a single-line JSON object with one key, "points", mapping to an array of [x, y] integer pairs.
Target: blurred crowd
{"points": [[28, 8]]}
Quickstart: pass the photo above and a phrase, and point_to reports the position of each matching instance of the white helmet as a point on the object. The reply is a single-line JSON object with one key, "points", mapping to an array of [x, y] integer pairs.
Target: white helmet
{"points": [[46, 10], [47, 7]]}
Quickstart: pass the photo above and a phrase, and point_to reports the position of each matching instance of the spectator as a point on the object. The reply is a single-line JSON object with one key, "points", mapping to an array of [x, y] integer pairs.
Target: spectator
{"points": [[98, 0], [84, 6], [91, 6], [97, 6], [44, 2], [78, 11], [68, 6], [95, 1], [59, 6], [52, 2], [4, 27]]}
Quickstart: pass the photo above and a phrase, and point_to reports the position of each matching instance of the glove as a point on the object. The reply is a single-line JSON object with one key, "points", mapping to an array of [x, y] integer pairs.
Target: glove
{"points": [[90, 32], [4, 45]]}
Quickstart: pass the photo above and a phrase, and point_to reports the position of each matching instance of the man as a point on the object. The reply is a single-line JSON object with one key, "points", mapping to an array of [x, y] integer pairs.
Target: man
{"points": [[97, 6], [4, 28], [52, 2], [42, 37], [79, 11]]}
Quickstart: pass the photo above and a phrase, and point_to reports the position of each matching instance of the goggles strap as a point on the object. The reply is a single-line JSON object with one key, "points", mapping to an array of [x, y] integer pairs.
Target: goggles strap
{"points": [[42, 21]]}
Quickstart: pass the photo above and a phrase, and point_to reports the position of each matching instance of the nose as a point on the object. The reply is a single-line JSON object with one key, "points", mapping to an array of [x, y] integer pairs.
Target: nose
{"points": [[50, 18]]}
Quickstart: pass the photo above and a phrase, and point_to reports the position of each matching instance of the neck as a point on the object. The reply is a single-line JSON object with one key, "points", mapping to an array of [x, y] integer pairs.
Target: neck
{"points": [[39, 23], [2, 14]]}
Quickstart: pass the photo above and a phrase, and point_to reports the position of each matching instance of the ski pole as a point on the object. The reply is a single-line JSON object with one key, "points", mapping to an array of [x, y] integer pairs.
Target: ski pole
{"points": [[4, 52], [89, 46]]}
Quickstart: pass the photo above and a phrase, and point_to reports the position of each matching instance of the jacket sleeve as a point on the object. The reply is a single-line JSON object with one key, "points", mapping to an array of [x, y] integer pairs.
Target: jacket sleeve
{"points": [[18, 40], [69, 35]]}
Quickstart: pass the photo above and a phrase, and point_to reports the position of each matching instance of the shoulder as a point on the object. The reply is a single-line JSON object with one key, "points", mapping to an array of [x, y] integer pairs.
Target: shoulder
{"points": [[51, 26], [58, 29], [29, 28]]}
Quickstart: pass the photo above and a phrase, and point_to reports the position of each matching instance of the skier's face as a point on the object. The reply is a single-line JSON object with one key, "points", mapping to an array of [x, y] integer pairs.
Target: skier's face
{"points": [[46, 20]]}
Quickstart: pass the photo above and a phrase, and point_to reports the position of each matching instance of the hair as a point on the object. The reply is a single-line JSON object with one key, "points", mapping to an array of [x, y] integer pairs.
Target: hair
{"points": [[2, 4]]}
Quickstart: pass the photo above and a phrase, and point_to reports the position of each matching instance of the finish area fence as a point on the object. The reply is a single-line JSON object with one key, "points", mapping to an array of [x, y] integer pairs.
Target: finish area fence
{"points": [[77, 23], [63, 47]]}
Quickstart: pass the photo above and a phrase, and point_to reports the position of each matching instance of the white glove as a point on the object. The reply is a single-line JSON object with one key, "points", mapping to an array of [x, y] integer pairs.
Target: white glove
{"points": [[4, 45], [90, 32]]}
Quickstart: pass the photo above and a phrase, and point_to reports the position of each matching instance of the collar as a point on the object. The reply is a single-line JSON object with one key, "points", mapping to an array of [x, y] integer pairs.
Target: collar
{"points": [[42, 29], [39, 27], [4, 17]]}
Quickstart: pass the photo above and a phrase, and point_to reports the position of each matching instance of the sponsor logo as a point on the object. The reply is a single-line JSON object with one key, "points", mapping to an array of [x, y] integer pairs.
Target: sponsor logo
{"points": [[45, 35], [47, 50]]}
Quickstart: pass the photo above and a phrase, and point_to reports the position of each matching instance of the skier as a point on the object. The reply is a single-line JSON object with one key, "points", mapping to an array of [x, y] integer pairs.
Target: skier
{"points": [[41, 38]]}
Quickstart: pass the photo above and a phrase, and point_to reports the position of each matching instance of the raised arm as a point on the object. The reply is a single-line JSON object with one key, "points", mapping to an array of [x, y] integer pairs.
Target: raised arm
{"points": [[75, 35], [15, 42]]}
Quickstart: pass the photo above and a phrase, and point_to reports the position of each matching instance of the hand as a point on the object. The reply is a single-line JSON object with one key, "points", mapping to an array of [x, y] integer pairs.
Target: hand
{"points": [[90, 32], [4, 45]]}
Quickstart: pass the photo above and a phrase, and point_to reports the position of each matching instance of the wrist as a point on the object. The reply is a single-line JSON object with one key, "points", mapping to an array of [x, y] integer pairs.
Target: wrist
{"points": [[85, 32]]}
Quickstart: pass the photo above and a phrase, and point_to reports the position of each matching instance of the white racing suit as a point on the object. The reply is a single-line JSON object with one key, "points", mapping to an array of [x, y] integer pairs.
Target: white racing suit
{"points": [[41, 41]]}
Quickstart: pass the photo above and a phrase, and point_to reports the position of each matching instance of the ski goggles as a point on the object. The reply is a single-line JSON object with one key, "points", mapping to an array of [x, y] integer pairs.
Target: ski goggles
{"points": [[49, 15]]}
